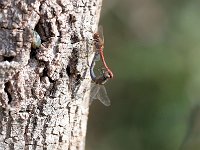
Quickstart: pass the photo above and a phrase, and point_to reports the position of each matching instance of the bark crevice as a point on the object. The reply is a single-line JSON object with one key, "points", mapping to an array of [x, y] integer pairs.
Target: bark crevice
{"points": [[8, 92]]}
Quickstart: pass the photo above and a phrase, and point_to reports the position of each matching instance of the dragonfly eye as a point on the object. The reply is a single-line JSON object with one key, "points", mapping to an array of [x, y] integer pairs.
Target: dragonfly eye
{"points": [[110, 74], [106, 74], [96, 36]]}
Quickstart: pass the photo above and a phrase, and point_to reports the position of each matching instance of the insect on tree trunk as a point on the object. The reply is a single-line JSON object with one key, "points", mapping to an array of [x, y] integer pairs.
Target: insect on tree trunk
{"points": [[44, 89]]}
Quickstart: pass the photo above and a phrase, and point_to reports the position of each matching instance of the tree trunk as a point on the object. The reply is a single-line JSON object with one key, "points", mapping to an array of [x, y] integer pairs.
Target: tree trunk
{"points": [[44, 90]]}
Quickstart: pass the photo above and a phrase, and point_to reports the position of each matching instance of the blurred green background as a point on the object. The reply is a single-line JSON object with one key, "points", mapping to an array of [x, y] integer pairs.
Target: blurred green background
{"points": [[153, 49]]}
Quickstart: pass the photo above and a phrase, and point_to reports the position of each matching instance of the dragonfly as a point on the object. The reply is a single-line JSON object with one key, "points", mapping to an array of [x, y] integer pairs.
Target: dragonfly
{"points": [[99, 45], [98, 91]]}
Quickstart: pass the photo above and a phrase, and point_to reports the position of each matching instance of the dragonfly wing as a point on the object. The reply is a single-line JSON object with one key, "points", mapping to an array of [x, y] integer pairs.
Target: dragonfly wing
{"points": [[93, 93], [100, 31], [97, 56], [102, 96]]}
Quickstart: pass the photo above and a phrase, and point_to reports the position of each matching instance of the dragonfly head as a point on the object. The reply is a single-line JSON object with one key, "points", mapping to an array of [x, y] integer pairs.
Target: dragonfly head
{"points": [[105, 76], [96, 36], [108, 74], [98, 41]]}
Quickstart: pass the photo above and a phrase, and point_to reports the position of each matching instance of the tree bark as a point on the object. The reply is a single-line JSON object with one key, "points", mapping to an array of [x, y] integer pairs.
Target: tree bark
{"points": [[44, 92]]}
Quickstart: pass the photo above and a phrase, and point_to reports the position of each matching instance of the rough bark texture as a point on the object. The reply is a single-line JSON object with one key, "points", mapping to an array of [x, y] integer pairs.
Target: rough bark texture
{"points": [[44, 92]]}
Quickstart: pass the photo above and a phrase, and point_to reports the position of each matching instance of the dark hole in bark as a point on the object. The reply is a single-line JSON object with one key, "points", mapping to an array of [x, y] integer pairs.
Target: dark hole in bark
{"points": [[60, 138], [35, 119], [33, 53], [61, 75], [78, 79], [68, 70], [6, 89], [8, 58], [72, 19], [73, 60], [53, 89], [45, 74], [74, 39], [38, 28]]}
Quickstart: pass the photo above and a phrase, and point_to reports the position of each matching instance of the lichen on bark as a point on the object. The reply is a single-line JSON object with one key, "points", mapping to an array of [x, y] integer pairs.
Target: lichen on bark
{"points": [[44, 92]]}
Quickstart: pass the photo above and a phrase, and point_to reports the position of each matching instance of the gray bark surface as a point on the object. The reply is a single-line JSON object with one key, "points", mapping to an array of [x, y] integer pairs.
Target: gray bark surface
{"points": [[44, 92]]}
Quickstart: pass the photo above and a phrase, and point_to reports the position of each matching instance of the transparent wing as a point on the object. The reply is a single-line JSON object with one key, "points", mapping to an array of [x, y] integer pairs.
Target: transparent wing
{"points": [[103, 96], [97, 56], [100, 31], [94, 91]]}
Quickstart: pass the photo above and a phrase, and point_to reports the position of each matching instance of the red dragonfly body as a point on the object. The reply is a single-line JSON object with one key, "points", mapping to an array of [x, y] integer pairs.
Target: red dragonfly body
{"points": [[98, 90], [99, 45]]}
